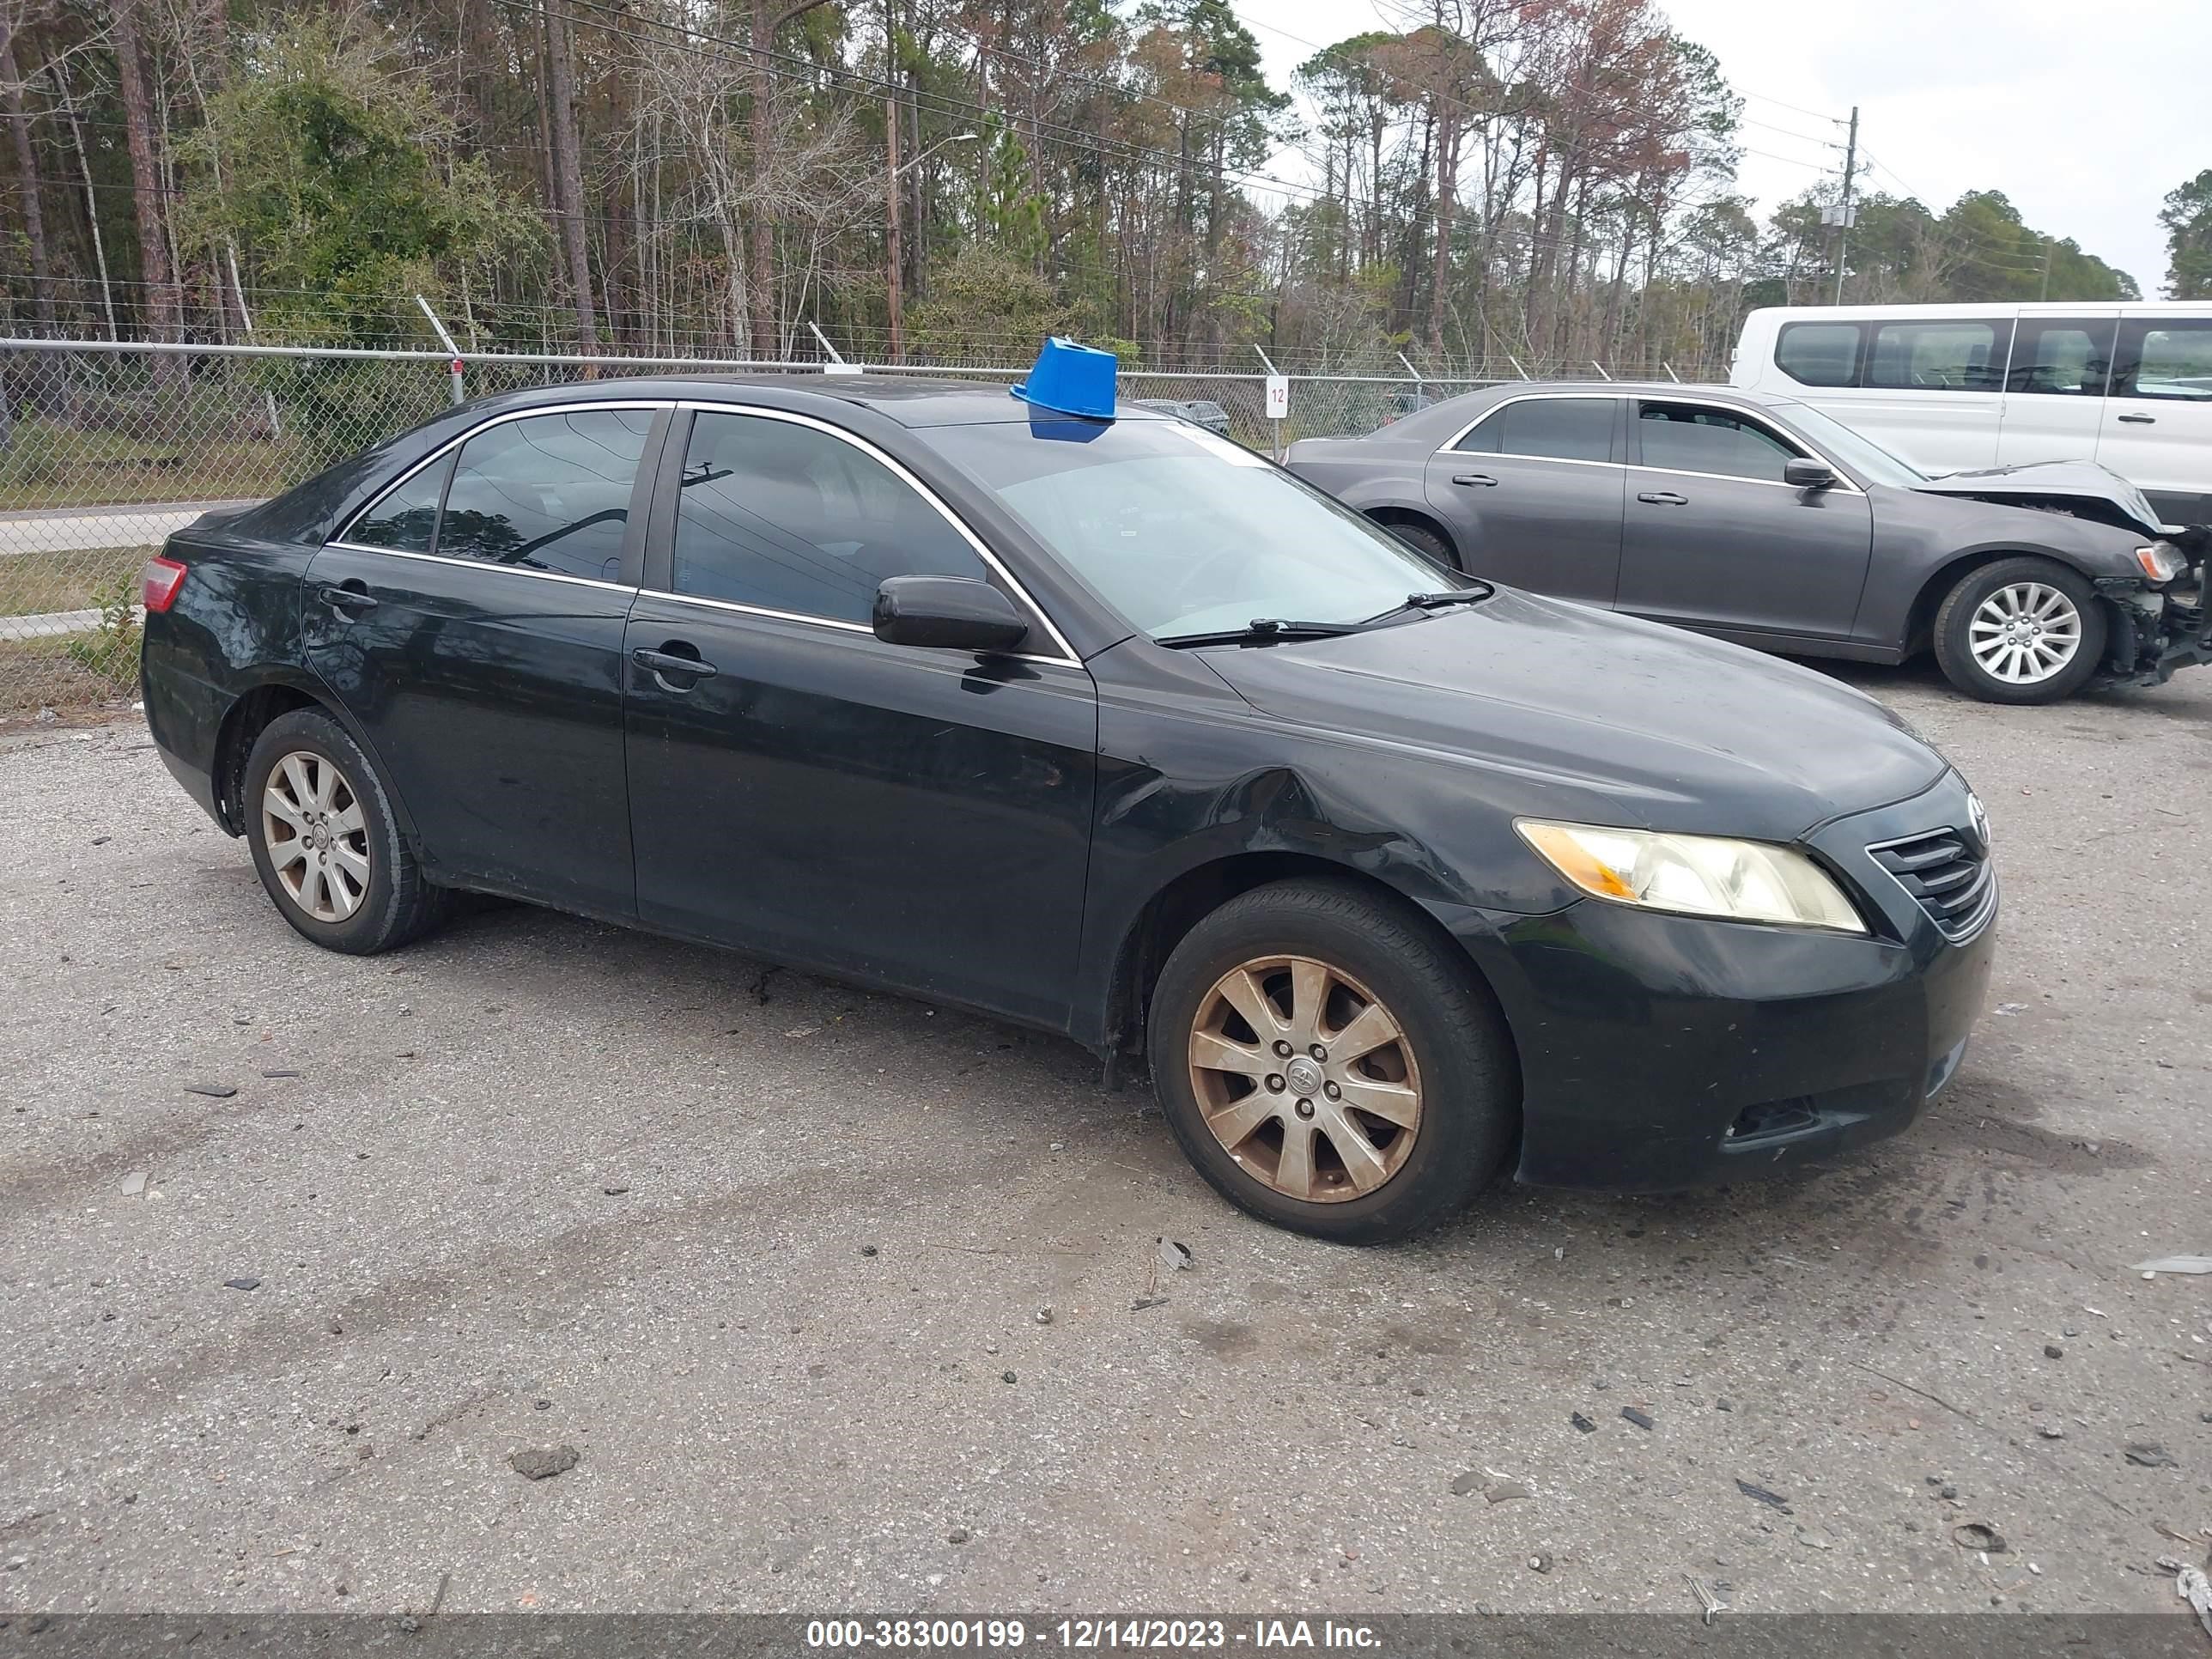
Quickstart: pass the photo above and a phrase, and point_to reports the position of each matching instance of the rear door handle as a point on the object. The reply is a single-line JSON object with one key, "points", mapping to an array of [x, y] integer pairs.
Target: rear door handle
{"points": [[1663, 498], [1475, 480], [2139, 420], [347, 599], [665, 663]]}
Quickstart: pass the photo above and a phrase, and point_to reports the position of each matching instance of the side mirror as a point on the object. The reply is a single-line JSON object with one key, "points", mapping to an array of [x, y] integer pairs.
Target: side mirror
{"points": [[954, 613], [1804, 473]]}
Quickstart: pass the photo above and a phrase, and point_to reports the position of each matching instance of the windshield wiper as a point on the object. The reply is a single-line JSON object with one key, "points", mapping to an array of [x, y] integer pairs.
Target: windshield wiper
{"points": [[1265, 630], [1450, 596]]}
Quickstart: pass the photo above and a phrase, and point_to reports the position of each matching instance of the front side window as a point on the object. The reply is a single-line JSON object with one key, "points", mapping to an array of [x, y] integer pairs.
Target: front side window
{"points": [[1958, 356], [1183, 533], [2061, 357], [1698, 438], [2171, 360], [406, 520], [1819, 354], [789, 518], [1547, 429], [547, 492]]}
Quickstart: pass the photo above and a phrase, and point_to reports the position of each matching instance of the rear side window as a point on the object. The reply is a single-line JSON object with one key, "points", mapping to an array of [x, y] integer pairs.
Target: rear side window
{"points": [[548, 492], [789, 518], [1954, 357], [1819, 354], [1550, 429], [2171, 360], [2061, 357], [406, 519], [1696, 438]]}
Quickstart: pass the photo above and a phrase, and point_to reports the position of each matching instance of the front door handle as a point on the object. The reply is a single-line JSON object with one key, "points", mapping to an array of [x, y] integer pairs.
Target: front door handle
{"points": [[1663, 498], [2139, 420], [349, 599], [1475, 480], [678, 659]]}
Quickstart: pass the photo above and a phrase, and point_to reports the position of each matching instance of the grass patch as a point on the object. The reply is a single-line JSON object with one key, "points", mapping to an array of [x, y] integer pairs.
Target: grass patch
{"points": [[34, 584], [46, 464], [66, 673]]}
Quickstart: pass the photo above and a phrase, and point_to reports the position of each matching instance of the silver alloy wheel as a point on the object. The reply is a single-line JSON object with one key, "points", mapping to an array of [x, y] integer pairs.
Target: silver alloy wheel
{"points": [[1305, 1079], [318, 840], [2024, 633]]}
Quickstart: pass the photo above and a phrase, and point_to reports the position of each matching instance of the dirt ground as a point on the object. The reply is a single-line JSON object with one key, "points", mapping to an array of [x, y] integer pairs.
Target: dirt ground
{"points": [[836, 1297]]}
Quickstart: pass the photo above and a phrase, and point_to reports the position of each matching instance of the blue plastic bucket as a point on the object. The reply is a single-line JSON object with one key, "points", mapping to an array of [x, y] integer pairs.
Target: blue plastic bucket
{"points": [[1070, 379]]}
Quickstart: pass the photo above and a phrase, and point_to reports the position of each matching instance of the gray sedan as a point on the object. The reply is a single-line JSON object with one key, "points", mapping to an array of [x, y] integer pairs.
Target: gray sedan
{"points": [[1764, 521]]}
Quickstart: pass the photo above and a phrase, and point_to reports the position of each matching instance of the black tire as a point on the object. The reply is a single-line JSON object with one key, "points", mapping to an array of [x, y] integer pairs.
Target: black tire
{"points": [[395, 904], [1469, 1083], [1953, 649], [1422, 540]]}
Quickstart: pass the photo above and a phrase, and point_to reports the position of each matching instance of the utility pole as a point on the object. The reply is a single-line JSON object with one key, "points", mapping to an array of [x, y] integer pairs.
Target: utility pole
{"points": [[2045, 294], [893, 254], [1843, 220]]}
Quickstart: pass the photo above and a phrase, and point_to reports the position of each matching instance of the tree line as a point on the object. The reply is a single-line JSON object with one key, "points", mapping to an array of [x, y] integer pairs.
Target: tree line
{"points": [[1542, 181]]}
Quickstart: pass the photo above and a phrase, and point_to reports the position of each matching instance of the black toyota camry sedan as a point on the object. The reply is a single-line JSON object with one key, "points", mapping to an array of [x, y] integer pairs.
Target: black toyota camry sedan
{"points": [[1110, 727]]}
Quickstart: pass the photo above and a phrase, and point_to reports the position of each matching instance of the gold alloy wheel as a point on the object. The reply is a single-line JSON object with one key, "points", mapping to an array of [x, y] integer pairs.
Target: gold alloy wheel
{"points": [[318, 839], [1305, 1079]]}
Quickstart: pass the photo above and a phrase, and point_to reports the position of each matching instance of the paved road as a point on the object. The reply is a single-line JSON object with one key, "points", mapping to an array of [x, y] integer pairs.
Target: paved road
{"points": [[84, 529], [542, 1182]]}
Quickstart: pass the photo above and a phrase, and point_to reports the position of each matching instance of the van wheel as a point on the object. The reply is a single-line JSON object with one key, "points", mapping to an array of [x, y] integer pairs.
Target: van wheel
{"points": [[2022, 630], [319, 822], [1424, 540], [1329, 1066]]}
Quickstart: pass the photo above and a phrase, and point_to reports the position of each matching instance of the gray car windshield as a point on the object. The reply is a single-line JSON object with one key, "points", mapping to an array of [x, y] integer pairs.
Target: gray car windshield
{"points": [[1862, 455], [1184, 533]]}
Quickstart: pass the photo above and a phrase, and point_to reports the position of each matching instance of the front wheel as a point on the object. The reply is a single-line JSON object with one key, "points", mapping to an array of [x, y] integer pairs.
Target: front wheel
{"points": [[325, 841], [1422, 540], [2022, 630], [1330, 1065]]}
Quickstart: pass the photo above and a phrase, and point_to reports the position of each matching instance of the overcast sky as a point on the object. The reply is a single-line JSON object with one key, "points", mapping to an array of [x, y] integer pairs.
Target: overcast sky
{"points": [[2084, 115]]}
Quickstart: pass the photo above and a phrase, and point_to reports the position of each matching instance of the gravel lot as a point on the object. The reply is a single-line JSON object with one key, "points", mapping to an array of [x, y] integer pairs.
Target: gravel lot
{"points": [[775, 1256]]}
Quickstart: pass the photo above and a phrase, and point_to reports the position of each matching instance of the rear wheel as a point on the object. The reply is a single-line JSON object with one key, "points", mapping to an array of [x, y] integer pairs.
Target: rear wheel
{"points": [[2023, 630], [1328, 1065], [1422, 540], [325, 846]]}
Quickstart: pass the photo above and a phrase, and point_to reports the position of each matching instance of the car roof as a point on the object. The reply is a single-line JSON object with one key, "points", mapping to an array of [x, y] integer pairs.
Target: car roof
{"points": [[912, 402]]}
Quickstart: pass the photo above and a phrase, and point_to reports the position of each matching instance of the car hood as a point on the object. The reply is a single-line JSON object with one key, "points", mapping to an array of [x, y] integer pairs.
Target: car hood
{"points": [[1580, 713], [2050, 481]]}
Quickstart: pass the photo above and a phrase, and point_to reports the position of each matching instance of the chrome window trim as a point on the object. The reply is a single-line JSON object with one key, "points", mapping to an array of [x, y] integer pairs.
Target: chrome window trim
{"points": [[656, 404], [483, 564], [1842, 478], [1530, 398], [832, 622], [1068, 657]]}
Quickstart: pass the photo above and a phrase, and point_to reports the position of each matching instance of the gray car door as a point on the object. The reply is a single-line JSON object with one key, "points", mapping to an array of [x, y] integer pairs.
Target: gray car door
{"points": [[1533, 494], [1715, 540]]}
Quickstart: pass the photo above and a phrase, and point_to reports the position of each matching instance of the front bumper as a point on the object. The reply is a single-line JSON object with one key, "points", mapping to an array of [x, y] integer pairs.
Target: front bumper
{"points": [[1661, 1052], [2155, 631]]}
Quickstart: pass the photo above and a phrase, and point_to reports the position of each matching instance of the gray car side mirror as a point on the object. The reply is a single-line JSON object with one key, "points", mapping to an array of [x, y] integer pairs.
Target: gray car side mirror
{"points": [[1804, 473]]}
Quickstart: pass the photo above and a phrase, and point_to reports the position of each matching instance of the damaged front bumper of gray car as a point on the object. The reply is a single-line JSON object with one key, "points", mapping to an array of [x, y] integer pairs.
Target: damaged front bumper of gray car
{"points": [[2160, 621]]}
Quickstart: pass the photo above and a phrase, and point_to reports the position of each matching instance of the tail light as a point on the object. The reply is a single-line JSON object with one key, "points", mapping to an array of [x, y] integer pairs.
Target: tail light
{"points": [[158, 582]]}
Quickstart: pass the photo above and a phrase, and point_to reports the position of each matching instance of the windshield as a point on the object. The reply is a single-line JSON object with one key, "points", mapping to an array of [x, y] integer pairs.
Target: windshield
{"points": [[1862, 455], [1183, 533]]}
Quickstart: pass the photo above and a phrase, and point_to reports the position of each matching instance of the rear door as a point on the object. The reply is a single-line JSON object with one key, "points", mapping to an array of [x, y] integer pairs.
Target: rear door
{"points": [[2157, 429], [472, 622], [1933, 390], [917, 818], [2054, 396], [1715, 539], [1532, 492]]}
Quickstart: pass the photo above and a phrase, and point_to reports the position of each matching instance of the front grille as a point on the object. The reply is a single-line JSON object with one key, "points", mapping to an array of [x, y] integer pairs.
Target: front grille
{"points": [[1947, 875]]}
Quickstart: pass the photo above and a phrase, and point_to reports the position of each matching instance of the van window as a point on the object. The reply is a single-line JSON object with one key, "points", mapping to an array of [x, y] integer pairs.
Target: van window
{"points": [[1819, 354], [1954, 357], [2066, 356], [2161, 358]]}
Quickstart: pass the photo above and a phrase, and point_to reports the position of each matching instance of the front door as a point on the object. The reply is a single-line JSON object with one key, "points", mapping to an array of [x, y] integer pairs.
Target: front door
{"points": [[1533, 495], [2054, 399], [2157, 431], [920, 818], [1715, 539], [471, 623]]}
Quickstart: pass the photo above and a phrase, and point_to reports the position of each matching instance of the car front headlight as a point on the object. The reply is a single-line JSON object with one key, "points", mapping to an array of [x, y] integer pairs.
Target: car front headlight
{"points": [[1694, 875], [2161, 561]]}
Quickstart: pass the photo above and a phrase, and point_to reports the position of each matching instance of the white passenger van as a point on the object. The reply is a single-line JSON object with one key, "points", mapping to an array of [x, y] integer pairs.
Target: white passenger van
{"points": [[1956, 387]]}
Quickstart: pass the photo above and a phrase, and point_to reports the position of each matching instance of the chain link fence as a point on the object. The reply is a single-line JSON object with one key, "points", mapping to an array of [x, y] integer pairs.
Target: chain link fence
{"points": [[106, 449]]}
